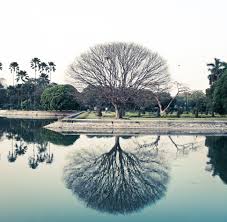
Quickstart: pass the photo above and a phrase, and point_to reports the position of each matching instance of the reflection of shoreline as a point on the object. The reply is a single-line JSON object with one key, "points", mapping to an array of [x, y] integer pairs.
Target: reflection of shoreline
{"points": [[117, 181], [31, 131], [30, 114]]}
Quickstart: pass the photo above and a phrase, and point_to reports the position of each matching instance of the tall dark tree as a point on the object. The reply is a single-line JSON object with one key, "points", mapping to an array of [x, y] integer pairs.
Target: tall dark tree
{"points": [[120, 70], [216, 70], [52, 68], [14, 68], [220, 95], [35, 62], [0, 66]]}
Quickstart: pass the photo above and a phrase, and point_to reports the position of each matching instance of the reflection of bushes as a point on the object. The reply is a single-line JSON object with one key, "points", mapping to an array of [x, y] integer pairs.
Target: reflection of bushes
{"points": [[31, 131], [57, 138], [218, 156], [117, 181], [107, 136]]}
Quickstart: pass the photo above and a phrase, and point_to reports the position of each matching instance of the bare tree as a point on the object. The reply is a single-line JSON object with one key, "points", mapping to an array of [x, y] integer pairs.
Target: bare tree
{"points": [[117, 181], [121, 70], [157, 92]]}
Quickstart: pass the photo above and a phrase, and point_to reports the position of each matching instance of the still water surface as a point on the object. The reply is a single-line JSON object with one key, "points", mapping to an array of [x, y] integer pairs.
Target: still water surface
{"points": [[46, 176]]}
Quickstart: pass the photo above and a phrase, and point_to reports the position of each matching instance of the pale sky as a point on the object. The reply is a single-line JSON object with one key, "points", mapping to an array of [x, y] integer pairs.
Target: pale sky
{"points": [[188, 34]]}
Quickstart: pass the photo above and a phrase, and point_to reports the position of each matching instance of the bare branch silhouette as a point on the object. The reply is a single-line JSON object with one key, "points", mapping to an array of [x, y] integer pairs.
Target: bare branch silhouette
{"points": [[184, 148], [121, 70]]}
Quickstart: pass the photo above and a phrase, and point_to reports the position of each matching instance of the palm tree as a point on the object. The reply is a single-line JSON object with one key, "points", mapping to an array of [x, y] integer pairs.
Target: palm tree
{"points": [[216, 70], [14, 68], [43, 67], [22, 75], [52, 68], [35, 62]]}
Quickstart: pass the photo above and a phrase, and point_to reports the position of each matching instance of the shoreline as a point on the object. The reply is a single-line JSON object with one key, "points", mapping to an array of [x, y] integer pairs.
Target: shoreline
{"points": [[155, 126], [24, 114]]}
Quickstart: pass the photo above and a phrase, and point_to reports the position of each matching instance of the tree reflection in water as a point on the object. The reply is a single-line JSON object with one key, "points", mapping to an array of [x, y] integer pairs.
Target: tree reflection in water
{"points": [[217, 155], [117, 181], [12, 155], [29, 134], [21, 148], [41, 155]]}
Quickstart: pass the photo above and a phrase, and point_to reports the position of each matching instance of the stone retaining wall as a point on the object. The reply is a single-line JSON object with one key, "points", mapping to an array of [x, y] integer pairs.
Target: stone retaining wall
{"points": [[139, 127]]}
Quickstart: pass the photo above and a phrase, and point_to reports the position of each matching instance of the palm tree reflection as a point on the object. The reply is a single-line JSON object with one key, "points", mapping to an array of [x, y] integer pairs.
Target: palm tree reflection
{"points": [[12, 155], [117, 181], [42, 155], [21, 148], [33, 160], [49, 156]]}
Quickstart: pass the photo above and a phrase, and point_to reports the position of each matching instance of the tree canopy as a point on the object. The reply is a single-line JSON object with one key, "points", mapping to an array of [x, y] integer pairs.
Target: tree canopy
{"points": [[120, 70], [60, 97]]}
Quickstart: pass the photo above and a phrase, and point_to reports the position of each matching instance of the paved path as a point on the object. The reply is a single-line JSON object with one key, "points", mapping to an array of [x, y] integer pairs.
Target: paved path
{"points": [[111, 126]]}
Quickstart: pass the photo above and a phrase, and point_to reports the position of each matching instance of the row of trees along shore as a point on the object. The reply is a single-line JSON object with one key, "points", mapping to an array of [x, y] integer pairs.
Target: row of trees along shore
{"points": [[120, 76], [25, 92]]}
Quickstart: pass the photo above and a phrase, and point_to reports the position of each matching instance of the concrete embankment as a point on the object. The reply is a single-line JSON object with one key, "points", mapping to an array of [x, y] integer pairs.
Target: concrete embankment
{"points": [[21, 114], [73, 126]]}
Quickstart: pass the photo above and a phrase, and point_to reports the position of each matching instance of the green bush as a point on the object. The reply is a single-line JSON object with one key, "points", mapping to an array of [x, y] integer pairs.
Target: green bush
{"points": [[60, 97]]}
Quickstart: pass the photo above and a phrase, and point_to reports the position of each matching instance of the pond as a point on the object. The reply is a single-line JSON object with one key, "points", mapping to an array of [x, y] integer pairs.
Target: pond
{"points": [[47, 176]]}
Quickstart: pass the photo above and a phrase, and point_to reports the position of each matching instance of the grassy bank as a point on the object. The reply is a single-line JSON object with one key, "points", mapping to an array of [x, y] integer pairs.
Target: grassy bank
{"points": [[147, 115]]}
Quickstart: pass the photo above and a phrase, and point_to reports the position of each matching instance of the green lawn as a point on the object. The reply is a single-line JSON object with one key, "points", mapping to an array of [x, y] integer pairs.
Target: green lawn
{"points": [[148, 115]]}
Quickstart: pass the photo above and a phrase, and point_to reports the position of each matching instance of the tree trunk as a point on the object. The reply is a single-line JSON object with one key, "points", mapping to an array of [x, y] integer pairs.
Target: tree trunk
{"points": [[178, 113], [139, 113], [212, 113], [196, 114], [99, 112], [162, 113], [118, 112]]}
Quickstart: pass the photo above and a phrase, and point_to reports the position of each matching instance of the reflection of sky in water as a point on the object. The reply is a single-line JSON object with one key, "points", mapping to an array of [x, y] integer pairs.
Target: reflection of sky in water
{"points": [[193, 194]]}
